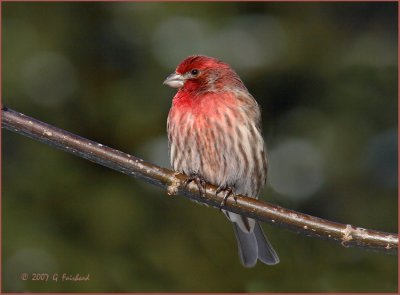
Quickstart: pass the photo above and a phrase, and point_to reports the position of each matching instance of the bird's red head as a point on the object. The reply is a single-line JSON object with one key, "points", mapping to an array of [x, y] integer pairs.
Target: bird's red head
{"points": [[200, 63], [202, 73]]}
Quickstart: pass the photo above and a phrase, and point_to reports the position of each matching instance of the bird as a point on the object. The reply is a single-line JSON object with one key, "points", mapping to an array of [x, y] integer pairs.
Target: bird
{"points": [[215, 136]]}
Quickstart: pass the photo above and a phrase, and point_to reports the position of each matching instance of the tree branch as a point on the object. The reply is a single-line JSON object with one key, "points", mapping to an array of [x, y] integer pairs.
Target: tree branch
{"points": [[345, 234]]}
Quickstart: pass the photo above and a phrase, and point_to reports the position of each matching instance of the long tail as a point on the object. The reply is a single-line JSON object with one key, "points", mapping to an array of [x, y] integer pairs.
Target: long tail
{"points": [[254, 245]]}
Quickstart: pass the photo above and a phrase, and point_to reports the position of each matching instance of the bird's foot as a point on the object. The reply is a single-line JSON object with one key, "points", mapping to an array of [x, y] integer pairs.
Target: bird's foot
{"points": [[228, 193], [200, 182]]}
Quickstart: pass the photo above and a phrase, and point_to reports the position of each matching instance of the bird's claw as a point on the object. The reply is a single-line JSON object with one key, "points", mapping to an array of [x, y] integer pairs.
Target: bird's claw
{"points": [[228, 193], [200, 182]]}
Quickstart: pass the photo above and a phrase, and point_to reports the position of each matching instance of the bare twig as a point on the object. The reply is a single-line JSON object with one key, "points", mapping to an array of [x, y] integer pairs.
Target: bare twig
{"points": [[346, 234]]}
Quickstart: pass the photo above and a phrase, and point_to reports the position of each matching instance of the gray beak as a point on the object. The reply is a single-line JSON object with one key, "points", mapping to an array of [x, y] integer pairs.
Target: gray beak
{"points": [[174, 80]]}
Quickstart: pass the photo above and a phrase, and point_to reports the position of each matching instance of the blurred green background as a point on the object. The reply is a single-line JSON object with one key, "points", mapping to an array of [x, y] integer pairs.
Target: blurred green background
{"points": [[325, 75]]}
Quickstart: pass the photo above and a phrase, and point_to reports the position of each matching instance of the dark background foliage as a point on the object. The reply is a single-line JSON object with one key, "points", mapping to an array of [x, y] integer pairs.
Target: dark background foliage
{"points": [[325, 75]]}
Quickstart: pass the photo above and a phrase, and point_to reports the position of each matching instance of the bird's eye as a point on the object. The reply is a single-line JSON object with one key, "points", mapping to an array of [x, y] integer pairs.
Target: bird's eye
{"points": [[194, 72]]}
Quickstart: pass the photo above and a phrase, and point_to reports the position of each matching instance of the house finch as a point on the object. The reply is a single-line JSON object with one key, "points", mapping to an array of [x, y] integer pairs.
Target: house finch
{"points": [[214, 133]]}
